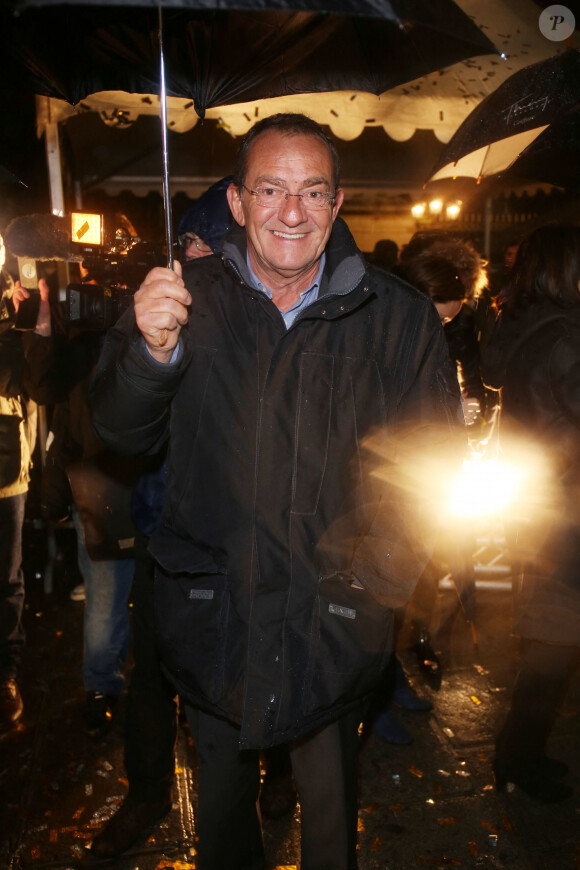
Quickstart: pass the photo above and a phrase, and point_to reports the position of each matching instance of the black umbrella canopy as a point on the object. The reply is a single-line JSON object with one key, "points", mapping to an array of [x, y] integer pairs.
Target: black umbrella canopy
{"points": [[372, 8], [503, 125], [217, 53], [554, 157]]}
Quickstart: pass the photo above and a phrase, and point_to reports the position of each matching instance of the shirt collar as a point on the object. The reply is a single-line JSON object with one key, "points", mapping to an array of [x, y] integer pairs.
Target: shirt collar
{"points": [[305, 299], [315, 284]]}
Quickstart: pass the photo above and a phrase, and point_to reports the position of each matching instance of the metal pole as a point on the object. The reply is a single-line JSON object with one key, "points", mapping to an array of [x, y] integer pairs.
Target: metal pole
{"points": [[166, 196], [487, 228], [53, 160]]}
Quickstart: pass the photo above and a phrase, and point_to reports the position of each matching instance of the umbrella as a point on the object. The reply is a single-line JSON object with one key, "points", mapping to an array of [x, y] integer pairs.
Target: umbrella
{"points": [[215, 55], [554, 156], [528, 118]]}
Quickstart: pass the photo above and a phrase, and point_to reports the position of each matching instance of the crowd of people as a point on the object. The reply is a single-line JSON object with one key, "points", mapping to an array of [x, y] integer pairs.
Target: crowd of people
{"points": [[273, 419]]}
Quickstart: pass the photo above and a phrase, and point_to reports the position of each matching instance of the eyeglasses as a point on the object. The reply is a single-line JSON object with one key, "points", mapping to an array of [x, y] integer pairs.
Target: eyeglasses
{"points": [[274, 197], [187, 239]]}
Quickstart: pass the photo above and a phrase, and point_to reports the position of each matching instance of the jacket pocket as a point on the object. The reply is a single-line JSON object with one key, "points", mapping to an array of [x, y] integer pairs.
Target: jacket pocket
{"points": [[350, 642], [192, 612]]}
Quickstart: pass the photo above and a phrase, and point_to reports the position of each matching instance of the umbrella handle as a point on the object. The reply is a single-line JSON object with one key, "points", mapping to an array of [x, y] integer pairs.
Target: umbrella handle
{"points": [[163, 100]]}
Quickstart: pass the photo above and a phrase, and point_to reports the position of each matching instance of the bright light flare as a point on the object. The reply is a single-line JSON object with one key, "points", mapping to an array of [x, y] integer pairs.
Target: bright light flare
{"points": [[485, 487]]}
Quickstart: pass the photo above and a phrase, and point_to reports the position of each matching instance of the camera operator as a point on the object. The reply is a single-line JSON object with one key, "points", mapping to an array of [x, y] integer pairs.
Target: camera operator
{"points": [[26, 365], [81, 476]]}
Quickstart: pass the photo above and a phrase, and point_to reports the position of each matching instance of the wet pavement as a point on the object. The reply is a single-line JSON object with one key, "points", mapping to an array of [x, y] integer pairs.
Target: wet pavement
{"points": [[428, 804]]}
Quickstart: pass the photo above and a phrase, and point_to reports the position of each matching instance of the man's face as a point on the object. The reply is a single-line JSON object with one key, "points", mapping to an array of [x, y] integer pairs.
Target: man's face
{"points": [[285, 241]]}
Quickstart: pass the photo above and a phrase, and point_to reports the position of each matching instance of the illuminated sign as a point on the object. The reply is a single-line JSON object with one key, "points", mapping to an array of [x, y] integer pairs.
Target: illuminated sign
{"points": [[87, 229]]}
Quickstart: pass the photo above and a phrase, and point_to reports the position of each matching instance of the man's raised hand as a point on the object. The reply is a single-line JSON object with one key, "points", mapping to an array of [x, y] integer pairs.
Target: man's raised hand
{"points": [[161, 310]]}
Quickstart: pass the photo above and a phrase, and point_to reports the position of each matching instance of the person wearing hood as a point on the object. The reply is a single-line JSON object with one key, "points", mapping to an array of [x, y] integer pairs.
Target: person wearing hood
{"points": [[204, 225]]}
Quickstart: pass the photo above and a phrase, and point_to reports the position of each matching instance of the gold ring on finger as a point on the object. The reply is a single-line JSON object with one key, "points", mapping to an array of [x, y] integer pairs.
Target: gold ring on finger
{"points": [[162, 338]]}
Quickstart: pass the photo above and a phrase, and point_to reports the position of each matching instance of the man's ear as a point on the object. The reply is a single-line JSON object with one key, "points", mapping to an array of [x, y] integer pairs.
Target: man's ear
{"points": [[337, 202], [234, 196]]}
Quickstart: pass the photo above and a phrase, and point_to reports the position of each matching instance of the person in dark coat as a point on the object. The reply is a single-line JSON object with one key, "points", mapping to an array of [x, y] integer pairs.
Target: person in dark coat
{"points": [[460, 321], [291, 383], [533, 356], [26, 363], [452, 274], [437, 277], [204, 225]]}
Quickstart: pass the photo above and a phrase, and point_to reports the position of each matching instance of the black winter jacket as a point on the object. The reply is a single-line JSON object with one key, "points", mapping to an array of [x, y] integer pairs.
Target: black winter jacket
{"points": [[533, 355], [278, 489]]}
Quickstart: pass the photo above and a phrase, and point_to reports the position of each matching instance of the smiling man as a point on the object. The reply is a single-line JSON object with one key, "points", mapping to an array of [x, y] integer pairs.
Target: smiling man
{"points": [[280, 372], [287, 232]]}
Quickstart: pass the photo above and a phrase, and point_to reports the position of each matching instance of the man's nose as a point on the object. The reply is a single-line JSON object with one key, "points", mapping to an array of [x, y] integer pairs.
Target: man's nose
{"points": [[293, 208]]}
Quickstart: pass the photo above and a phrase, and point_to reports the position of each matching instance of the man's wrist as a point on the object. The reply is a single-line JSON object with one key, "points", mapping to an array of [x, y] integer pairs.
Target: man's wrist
{"points": [[165, 357]]}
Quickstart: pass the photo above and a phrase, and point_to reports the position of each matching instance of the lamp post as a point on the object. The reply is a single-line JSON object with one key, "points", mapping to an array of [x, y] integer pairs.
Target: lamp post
{"points": [[435, 211], [436, 208]]}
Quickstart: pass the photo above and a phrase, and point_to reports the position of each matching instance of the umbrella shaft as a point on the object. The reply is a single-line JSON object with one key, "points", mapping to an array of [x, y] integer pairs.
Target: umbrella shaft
{"points": [[166, 194]]}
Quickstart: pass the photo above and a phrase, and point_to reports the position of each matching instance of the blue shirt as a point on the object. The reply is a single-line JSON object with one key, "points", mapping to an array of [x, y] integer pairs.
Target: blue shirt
{"points": [[305, 299]]}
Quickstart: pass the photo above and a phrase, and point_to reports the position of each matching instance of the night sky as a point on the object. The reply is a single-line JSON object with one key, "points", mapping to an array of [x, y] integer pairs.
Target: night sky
{"points": [[22, 155]]}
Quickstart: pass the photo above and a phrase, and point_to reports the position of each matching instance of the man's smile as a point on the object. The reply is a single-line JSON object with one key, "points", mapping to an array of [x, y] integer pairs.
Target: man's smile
{"points": [[282, 235]]}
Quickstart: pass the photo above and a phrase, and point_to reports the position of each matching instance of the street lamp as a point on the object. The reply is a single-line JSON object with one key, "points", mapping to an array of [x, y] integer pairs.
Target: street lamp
{"points": [[433, 210], [418, 210]]}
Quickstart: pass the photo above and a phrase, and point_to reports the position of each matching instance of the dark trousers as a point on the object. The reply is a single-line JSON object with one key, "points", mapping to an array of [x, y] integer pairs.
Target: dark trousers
{"points": [[325, 767], [538, 689], [11, 584], [151, 709]]}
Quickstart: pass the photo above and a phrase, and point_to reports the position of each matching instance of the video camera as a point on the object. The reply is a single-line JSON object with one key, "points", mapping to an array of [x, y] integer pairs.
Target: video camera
{"points": [[93, 270]]}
